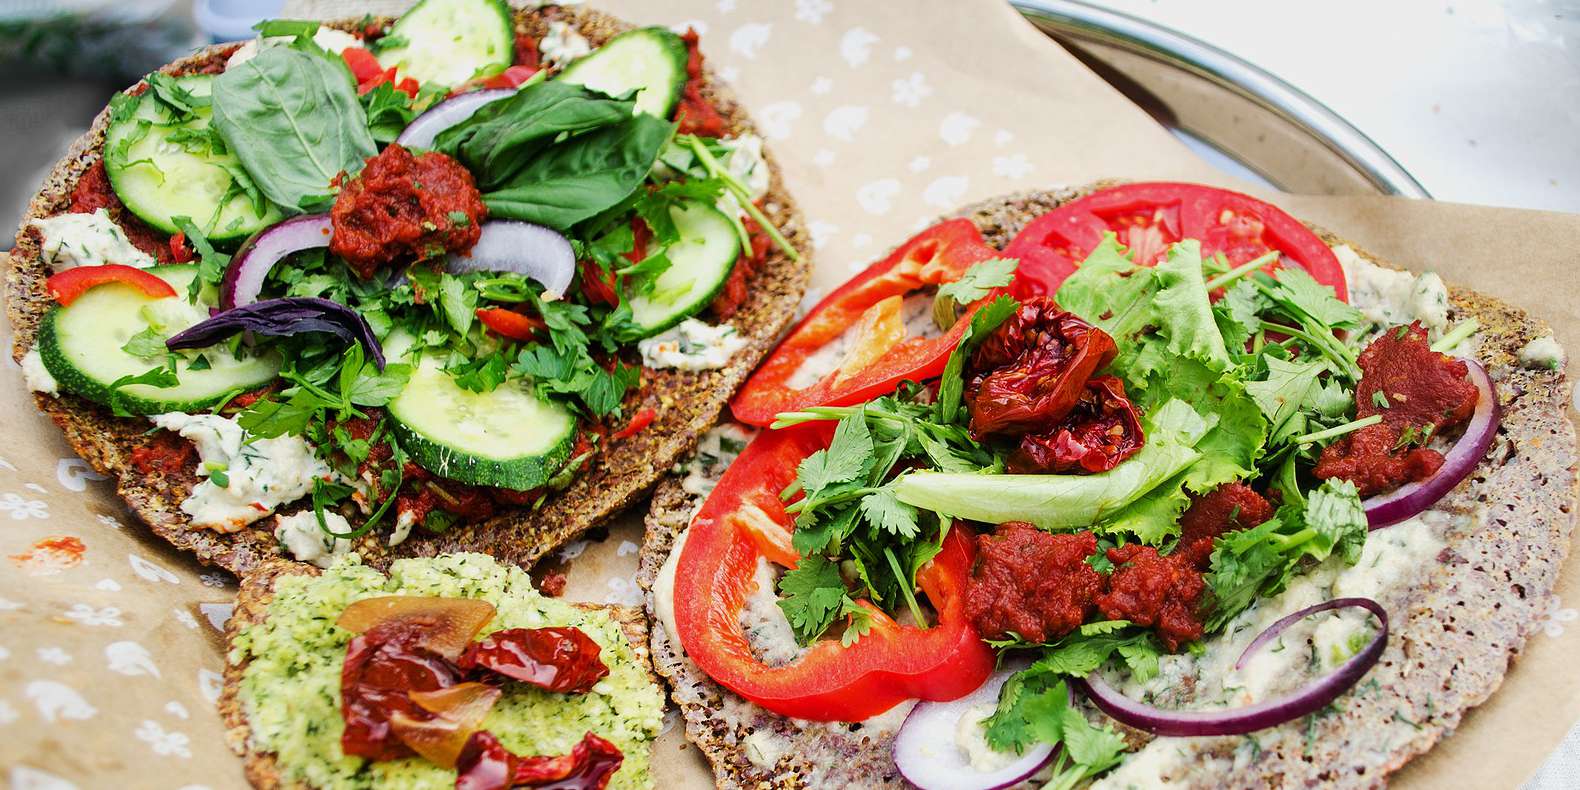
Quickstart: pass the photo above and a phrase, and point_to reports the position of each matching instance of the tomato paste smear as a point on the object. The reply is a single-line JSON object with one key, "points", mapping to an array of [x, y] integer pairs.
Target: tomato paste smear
{"points": [[733, 295], [1419, 393], [165, 453], [404, 208], [1102, 430], [1032, 584], [695, 113], [1033, 369], [1159, 592], [1227, 508], [485, 764]]}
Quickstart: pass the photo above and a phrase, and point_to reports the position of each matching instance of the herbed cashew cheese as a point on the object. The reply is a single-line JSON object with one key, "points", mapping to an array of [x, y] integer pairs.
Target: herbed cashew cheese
{"points": [[307, 542], [72, 240], [1542, 352], [744, 161], [562, 45], [1387, 296], [37, 376], [258, 475], [691, 345], [327, 38]]}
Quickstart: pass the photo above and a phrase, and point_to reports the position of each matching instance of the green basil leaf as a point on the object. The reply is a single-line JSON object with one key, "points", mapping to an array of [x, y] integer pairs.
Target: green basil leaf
{"points": [[582, 176], [502, 137]]}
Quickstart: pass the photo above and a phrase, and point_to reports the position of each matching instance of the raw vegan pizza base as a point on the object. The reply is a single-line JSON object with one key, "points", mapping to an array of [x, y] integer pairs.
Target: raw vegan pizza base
{"points": [[1454, 634], [252, 608], [687, 402]]}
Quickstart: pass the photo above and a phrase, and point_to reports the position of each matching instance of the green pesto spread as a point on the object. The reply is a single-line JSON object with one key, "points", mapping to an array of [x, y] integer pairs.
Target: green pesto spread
{"points": [[291, 689]]}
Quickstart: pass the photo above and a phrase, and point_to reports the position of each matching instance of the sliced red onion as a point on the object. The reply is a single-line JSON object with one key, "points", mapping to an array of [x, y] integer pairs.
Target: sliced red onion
{"points": [[244, 277], [420, 133], [1391, 508], [281, 318], [1238, 721], [925, 751], [524, 248]]}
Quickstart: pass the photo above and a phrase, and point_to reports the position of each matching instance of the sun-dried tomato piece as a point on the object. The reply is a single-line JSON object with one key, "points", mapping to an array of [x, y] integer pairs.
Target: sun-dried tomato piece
{"points": [[1102, 430], [457, 711], [1033, 369], [442, 625], [560, 659], [382, 666], [485, 764]]}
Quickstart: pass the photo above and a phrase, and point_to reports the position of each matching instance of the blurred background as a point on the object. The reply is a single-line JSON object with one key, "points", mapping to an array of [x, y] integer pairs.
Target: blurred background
{"points": [[1474, 101]]}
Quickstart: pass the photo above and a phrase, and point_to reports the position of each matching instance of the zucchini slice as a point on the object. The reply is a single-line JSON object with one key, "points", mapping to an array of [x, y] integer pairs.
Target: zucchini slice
{"points": [[81, 346], [162, 169], [650, 60]]}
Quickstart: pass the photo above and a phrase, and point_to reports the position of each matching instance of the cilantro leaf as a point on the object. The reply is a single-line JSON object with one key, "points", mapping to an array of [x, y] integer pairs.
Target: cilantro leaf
{"points": [[375, 388], [848, 457], [458, 302], [980, 279], [885, 511], [1288, 389], [1298, 290], [147, 344], [161, 377], [811, 595], [211, 262]]}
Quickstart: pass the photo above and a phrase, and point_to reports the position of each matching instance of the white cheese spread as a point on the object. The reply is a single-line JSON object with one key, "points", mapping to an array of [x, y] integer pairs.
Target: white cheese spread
{"points": [[327, 38], [1387, 297], [971, 740], [745, 161], [307, 542], [691, 345], [258, 475], [716, 450], [562, 45], [767, 629], [72, 240], [1542, 352], [37, 376]]}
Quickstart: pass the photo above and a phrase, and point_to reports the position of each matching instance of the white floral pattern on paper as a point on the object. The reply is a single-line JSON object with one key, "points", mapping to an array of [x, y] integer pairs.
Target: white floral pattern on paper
{"points": [[129, 658], [624, 591], [148, 571], [748, 40], [8, 712], [1553, 619], [572, 550], [945, 192], [56, 701], [214, 579], [822, 86], [909, 91], [209, 684], [177, 710], [842, 123], [74, 474], [1003, 137], [823, 157], [20, 508], [821, 232], [88, 615], [109, 521], [185, 618], [725, 6], [6, 605], [166, 743], [856, 46], [877, 197], [812, 11], [919, 164], [1014, 166], [956, 128], [902, 54], [108, 585], [53, 655], [775, 119], [25, 778]]}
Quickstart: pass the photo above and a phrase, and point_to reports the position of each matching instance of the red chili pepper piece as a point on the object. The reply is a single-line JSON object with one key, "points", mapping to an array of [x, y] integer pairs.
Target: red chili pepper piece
{"points": [[179, 251], [563, 660], [485, 764], [1033, 369], [72, 283], [509, 323], [1102, 430], [381, 667], [638, 423]]}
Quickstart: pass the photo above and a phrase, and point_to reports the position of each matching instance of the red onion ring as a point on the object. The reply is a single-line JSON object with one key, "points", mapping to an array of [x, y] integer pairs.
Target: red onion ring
{"points": [[1391, 508], [1308, 699], [530, 250], [924, 748], [244, 276], [420, 133]]}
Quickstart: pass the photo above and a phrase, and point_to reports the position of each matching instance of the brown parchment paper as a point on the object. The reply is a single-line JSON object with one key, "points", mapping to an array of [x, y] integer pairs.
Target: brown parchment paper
{"points": [[883, 116]]}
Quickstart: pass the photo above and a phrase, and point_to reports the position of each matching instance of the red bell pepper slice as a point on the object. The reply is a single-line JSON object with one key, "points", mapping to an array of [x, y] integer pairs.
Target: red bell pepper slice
{"points": [[66, 286], [939, 254], [364, 66], [1149, 216], [889, 664], [638, 423], [511, 77], [509, 323]]}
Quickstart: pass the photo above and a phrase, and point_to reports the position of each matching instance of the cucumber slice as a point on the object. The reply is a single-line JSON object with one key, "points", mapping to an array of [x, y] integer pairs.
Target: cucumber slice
{"points": [[81, 347], [699, 263], [447, 42], [650, 59], [509, 438], [162, 169]]}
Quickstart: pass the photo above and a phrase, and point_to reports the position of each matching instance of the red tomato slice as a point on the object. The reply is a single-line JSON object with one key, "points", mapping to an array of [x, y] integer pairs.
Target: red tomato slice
{"points": [[939, 254], [1147, 217], [72, 283]]}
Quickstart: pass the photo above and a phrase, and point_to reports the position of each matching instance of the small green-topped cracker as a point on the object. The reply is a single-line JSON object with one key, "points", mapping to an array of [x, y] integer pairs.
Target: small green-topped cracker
{"points": [[282, 689]]}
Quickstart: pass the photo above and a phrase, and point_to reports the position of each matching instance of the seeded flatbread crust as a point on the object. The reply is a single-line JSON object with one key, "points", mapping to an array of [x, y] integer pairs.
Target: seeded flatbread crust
{"points": [[686, 402], [1453, 635], [252, 608]]}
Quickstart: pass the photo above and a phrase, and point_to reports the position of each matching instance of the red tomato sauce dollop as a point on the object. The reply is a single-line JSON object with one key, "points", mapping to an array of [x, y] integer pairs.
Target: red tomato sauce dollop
{"points": [[402, 208]]}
